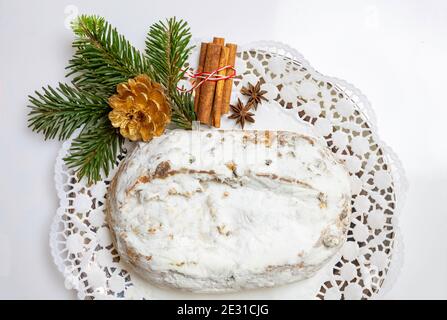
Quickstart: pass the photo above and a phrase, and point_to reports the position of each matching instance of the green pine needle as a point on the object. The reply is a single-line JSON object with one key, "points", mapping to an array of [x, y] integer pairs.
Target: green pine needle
{"points": [[167, 50], [95, 150], [103, 57], [57, 113], [183, 110]]}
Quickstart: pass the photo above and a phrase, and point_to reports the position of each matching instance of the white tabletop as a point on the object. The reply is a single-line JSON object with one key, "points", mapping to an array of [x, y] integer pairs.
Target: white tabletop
{"points": [[394, 51]]}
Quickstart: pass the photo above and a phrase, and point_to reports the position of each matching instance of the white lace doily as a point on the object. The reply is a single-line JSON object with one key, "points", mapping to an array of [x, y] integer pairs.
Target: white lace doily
{"points": [[335, 111]]}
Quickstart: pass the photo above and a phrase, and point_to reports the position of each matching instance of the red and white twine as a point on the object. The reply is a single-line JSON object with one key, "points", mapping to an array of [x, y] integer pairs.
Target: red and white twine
{"points": [[208, 76]]}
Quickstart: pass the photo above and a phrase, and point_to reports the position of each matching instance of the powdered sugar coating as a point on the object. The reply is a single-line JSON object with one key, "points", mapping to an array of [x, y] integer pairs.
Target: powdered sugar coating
{"points": [[220, 211]]}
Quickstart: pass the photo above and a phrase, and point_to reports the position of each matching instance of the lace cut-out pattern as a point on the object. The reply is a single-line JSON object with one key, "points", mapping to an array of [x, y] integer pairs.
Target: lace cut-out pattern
{"points": [[336, 112]]}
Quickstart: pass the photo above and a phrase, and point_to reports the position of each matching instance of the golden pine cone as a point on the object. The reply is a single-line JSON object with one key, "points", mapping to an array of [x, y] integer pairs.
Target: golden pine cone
{"points": [[140, 109]]}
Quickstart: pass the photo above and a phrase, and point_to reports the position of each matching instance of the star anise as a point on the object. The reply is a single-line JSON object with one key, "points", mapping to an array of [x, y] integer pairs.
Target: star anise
{"points": [[242, 113], [254, 93]]}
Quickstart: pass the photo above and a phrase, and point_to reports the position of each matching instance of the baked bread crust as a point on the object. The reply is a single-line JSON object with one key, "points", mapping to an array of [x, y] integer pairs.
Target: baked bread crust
{"points": [[187, 213]]}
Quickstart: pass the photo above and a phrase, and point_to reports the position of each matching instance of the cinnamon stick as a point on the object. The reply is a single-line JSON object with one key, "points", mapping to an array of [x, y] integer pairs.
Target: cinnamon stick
{"points": [[218, 95], [229, 82], [200, 69], [218, 40], [207, 92]]}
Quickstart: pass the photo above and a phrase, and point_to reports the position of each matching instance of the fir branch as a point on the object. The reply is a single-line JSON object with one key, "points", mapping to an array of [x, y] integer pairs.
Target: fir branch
{"points": [[59, 112], [167, 49], [103, 57], [95, 150], [183, 114]]}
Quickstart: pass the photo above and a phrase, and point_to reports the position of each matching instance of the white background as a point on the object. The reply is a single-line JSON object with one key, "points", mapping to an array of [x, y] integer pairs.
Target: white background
{"points": [[394, 51]]}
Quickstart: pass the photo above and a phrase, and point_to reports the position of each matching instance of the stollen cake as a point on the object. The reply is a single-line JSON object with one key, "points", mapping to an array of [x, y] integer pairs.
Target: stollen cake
{"points": [[221, 211]]}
